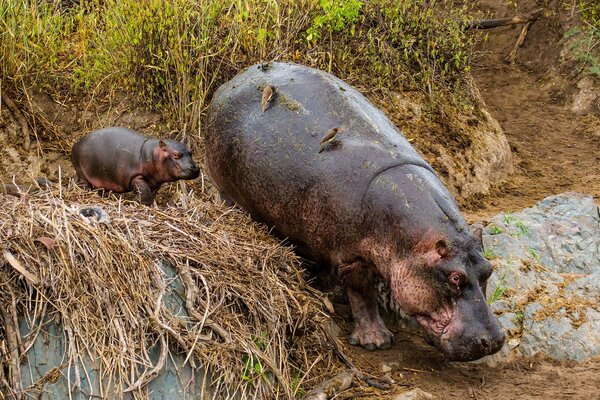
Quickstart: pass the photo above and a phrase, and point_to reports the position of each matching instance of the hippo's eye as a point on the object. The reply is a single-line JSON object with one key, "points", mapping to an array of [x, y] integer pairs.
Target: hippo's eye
{"points": [[455, 278], [176, 155]]}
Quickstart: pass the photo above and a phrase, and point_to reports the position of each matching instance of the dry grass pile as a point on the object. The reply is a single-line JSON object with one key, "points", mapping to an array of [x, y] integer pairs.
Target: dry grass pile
{"points": [[250, 318]]}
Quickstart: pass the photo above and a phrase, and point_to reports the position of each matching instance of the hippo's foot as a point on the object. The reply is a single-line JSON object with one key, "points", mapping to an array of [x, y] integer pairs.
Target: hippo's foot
{"points": [[369, 330], [144, 193], [371, 335]]}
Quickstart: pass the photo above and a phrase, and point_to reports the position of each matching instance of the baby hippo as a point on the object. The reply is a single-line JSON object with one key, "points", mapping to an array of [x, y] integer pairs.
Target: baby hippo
{"points": [[121, 160]]}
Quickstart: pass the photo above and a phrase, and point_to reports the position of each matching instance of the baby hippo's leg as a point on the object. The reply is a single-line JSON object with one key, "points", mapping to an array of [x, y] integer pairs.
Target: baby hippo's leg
{"points": [[145, 194]]}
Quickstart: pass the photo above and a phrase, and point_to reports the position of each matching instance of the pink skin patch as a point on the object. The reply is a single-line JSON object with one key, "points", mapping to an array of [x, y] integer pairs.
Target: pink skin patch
{"points": [[416, 293]]}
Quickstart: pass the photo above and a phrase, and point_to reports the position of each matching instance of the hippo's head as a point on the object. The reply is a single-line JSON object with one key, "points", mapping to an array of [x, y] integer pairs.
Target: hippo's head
{"points": [[176, 160], [443, 286]]}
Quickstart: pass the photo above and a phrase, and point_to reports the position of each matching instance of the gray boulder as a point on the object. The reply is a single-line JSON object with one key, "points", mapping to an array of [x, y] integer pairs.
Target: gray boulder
{"points": [[546, 285]]}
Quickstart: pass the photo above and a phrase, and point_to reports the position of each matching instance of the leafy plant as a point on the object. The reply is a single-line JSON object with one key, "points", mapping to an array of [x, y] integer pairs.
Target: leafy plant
{"points": [[499, 289], [252, 365], [585, 46], [337, 15], [489, 254], [495, 230]]}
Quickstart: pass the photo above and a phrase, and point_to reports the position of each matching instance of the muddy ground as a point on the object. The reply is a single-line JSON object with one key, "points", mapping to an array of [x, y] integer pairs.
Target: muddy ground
{"points": [[556, 150]]}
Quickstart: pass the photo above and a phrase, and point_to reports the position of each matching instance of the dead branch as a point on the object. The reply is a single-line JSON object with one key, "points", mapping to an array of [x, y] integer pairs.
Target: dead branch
{"points": [[13, 339], [510, 58], [494, 23]]}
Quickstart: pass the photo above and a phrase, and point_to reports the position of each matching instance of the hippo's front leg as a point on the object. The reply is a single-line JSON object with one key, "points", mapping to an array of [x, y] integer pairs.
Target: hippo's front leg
{"points": [[144, 192], [369, 330]]}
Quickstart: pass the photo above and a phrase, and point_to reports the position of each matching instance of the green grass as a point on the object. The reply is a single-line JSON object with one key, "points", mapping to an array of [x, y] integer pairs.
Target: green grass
{"points": [[495, 230], [489, 254], [533, 254], [518, 318], [499, 289], [586, 38], [172, 55]]}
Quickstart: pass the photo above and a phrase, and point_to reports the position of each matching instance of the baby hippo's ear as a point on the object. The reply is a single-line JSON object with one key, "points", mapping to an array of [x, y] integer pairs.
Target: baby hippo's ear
{"points": [[163, 145]]}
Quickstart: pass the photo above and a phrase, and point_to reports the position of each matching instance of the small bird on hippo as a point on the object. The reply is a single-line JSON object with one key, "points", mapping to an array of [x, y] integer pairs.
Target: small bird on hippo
{"points": [[267, 96], [328, 138]]}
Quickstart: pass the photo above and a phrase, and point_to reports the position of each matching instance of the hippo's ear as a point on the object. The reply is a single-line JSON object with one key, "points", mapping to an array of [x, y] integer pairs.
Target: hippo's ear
{"points": [[163, 145], [478, 235], [441, 247]]}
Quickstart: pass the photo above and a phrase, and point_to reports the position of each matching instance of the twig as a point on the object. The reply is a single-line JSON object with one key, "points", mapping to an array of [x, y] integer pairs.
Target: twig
{"points": [[16, 264], [15, 360], [494, 23], [331, 387], [147, 377], [513, 54]]}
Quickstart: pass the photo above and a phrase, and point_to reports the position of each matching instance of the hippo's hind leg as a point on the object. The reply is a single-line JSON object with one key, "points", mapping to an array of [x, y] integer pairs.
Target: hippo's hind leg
{"points": [[144, 192], [223, 198], [369, 329]]}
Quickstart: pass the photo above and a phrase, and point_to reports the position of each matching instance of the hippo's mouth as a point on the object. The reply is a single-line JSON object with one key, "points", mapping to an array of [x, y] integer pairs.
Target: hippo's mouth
{"points": [[438, 323]]}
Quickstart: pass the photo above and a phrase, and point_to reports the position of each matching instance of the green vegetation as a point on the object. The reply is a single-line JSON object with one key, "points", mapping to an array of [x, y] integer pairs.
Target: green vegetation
{"points": [[499, 289], [336, 16], [534, 254], [489, 254], [522, 229], [585, 45], [495, 230], [518, 318], [253, 368], [173, 54]]}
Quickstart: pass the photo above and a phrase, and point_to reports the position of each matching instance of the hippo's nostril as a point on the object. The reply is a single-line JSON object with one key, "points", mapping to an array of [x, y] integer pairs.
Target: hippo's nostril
{"points": [[485, 343]]}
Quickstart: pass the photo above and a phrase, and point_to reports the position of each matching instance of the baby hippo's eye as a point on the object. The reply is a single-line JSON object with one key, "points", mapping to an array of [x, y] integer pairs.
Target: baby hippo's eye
{"points": [[455, 278], [176, 155]]}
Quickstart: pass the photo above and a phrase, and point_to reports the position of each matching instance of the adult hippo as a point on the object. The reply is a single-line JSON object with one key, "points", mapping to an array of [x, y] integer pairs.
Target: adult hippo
{"points": [[366, 204], [121, 160]]}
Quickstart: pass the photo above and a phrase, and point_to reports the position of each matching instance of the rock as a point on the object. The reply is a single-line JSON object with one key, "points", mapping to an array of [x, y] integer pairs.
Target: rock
{"points": [[390, 367], [546, 282], [584, 100], [176, 380], [512, 343], [507, 321], [415, 394]]}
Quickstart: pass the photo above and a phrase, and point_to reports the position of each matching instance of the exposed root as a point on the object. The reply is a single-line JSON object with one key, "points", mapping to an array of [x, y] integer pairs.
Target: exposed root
{"points": [[513, 53], [19, 118]]}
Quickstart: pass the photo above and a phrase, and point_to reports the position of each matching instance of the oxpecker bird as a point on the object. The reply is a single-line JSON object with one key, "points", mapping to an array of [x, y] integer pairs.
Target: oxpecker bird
{"points": [[328, 138], [267, 96]]}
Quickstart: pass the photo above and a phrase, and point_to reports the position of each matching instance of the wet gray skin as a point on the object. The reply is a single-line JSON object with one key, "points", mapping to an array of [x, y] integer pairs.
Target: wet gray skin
{"points": [[121, 160], [368, 205]]}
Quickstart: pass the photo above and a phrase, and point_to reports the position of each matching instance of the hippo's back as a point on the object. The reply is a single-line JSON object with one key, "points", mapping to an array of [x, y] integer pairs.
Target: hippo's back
{"points": [[269, 162]]}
